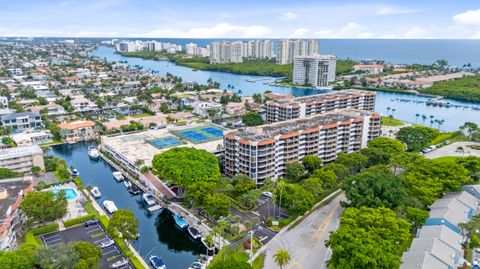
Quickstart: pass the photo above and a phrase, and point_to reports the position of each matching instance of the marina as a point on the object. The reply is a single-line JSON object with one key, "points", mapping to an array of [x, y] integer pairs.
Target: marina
{"points": [[165, 240], [95, 192]]}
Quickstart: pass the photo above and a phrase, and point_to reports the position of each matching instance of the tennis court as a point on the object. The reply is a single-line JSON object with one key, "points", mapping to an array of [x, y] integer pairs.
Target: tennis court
{"points": [[201, 134], [164, 142]]}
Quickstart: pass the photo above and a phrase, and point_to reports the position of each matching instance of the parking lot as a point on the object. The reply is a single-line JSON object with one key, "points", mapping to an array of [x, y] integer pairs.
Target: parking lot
{"points": [[94, 234]]}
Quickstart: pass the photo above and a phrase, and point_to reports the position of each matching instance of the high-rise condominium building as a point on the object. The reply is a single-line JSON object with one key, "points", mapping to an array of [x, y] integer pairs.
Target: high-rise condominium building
{"points": [[288, 49], [317, 70], [305, 106], [235, 52], [264, 151]]}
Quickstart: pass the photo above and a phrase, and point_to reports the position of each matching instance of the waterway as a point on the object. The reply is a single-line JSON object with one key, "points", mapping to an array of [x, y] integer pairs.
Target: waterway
{"points": [[403, 106], [158, 234]]}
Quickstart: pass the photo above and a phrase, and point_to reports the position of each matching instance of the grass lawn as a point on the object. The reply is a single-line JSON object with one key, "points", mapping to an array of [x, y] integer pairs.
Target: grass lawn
{"points": [[389, 121], [258, 262], [141, 115], [446, 136], [448, 158]]}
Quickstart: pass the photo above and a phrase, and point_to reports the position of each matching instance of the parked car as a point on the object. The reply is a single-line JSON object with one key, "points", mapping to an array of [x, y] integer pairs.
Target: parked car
{"points": [[106, 243], [91, 222], [119, 263], [267, 194]]}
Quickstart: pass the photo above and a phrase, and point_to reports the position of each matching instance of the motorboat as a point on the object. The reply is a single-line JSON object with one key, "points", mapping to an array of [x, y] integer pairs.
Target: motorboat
{"points": [[157, 263], [134, 190], [95, 192], [207, 245], [93, 152], [118, 176], [193, 232], [127, 183], [148, 199], [180, 222], [110, 206], [74, 172]]}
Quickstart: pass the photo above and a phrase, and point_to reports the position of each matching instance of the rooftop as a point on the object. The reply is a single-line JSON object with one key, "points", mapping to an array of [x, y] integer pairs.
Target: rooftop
{"points": [[14, 116], [11, 194], [76, 124], [20, 152], [335, 95], [291, 126]]}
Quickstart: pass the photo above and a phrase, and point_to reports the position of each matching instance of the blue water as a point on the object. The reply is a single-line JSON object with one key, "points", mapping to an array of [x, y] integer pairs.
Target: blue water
{"points": [[398, 51], [158, 234], [404, 109], [70, 194]]}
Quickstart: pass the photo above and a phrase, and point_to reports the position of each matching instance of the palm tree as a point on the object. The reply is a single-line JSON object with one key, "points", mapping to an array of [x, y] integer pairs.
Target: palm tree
{"points": [[281, 257], [393, 111], [416, 117], [424, 118], [388, 111]]}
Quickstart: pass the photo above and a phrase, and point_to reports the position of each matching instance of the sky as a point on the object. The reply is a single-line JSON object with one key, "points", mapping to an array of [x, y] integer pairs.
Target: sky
{"points": [[407, 19]]}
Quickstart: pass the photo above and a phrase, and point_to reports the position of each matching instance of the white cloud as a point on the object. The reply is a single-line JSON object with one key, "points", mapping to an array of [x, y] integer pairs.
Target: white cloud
{"points": [[95, 34], [288, 16], [416, 32], [351, 30], [221, 30], [469, 17], [300, 32], [382, 11]]}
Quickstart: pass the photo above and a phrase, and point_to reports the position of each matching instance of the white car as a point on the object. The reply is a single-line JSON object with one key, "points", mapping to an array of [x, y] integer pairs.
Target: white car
{"points": [[106, 243], [267, 194]]}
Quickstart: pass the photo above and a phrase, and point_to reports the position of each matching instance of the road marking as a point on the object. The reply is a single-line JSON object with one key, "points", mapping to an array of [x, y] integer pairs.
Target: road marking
{"points": [[324, 224], [295, 263]]}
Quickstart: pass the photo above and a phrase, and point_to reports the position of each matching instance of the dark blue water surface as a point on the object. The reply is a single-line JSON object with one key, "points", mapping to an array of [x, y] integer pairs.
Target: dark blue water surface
{"points": [[405, 109], [158, 234]]}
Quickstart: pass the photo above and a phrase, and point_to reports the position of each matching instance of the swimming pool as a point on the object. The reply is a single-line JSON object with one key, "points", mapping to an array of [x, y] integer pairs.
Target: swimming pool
{"points": [[70, 194]]}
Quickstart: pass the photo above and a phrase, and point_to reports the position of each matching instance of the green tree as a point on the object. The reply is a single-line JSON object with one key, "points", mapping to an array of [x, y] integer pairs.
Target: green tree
{"points": [[354, 161], [314, 186], [472, 164], [311, 162], [89, 254], [417, 137], [368, 238], [44, 206], [217, 205], [123, 223], [294, 198], [229, 259], [468, 128], [23, 258], [340, 170], [387, 145], [375, 156], [327, 177], [375, 187], [252, 119], [196, 192], [416, 215], [185, 166], [294, 171], [36, 171], [7, 173], [281, 257], [242, 184]]}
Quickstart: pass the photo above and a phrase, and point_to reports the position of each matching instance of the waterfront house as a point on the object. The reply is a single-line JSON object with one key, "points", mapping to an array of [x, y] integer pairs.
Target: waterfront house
{"points": [[21, 120], [78, 131], [22, 159]]}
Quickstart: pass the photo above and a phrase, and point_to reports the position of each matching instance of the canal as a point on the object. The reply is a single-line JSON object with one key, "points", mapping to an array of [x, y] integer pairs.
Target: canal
{"points": [[403, 106], [158, 234]]}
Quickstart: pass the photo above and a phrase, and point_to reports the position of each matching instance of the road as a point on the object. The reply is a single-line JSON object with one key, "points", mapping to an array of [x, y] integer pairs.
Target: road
{"points": [[452, 150], [306, 242]]}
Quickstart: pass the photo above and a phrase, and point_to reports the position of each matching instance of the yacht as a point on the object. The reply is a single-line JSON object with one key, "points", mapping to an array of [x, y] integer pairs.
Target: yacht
{"points": [[127, 183], [93, 152], [110, 206], [74, 172], [95, 192], [148, 199], [134, 190], [118, 176], [157, 263], [193, 232]]}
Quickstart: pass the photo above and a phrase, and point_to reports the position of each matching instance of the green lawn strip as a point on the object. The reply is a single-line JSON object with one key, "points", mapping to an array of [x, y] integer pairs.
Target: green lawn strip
{"points": [[444, 137], [448, 158], [389, 121], [258, 262]]}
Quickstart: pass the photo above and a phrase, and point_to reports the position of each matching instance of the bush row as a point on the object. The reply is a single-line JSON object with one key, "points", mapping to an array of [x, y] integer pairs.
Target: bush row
{"points": [[78, 220]]}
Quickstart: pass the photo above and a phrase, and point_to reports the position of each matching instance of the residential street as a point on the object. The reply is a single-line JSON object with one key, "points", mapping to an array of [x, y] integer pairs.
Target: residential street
{"points": [[306, 242]]}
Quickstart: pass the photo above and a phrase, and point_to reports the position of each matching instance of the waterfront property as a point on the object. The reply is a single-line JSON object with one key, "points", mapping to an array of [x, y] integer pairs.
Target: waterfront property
{"points": [[293, 108], [129, 148], [22, 159], [21, 120], [77, 131], [264, 151], [316, 71], [12, 192]]}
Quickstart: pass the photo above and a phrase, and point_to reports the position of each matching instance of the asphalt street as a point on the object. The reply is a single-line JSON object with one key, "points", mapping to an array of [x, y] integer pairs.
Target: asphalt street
{"points": [[306, 242]]}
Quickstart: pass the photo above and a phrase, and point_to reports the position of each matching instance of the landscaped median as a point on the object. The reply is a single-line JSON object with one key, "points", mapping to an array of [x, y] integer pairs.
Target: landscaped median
{"points": [[32, 235]]}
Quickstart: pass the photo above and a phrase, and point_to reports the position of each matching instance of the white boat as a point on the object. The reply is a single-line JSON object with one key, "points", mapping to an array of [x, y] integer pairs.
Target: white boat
{"points": [[194, 232], [95, 192], [127, 183], [157, 262], [148, 199], [118, 176], [206, 245], [74, 173], [110, 206], [93, 152]]}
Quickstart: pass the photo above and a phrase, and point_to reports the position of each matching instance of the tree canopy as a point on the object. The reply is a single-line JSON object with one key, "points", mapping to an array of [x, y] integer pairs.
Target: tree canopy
{"points": [[311, 162], [185, 166], [417, 137], [44, 205], [252, 119], [368, 238], [295, 198], [123, 222], [294, 171]]}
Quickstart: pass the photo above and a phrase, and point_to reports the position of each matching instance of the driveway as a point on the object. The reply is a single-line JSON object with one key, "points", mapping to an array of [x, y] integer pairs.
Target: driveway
{"points": [[451, 150], [306, 242]]}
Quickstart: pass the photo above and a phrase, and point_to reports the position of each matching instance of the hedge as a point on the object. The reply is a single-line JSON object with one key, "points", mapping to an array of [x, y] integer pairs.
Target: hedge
{"points": [[78, 181], [45, 229], [78, 220], [30, 238]]}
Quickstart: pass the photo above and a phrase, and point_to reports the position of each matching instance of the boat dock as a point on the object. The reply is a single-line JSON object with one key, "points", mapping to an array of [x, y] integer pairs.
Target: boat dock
{"points": [[162, 202], [154, 208]]}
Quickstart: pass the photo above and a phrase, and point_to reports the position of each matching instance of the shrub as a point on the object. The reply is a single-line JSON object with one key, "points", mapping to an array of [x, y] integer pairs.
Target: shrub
{"points": [[78, 181], [45, 229], [78, 220]]}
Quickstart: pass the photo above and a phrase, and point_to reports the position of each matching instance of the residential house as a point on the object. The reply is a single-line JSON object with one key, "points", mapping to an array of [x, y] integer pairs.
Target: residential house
{"points": [[235, 108], [82, 104], [78, 131], [21, 120], [22, 159]]}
